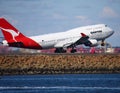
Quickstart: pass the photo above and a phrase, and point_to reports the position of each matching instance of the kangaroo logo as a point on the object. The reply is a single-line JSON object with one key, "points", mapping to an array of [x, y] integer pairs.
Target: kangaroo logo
{"points": [[12, 32]]}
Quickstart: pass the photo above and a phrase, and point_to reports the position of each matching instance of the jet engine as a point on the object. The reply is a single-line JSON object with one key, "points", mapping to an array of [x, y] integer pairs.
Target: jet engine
{"points": [[91, 43]]}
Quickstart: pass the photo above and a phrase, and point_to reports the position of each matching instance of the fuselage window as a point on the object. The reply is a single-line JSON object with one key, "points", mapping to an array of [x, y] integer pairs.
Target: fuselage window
{"points": [[99, 31]]}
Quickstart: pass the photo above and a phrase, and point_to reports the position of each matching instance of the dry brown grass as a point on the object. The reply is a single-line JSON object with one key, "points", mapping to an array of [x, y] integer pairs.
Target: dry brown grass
{"points": [[61, 63]]}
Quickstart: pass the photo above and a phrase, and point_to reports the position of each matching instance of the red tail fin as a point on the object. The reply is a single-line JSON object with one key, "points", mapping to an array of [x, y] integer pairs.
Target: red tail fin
{"points": [[14, 38], [9, 32]]}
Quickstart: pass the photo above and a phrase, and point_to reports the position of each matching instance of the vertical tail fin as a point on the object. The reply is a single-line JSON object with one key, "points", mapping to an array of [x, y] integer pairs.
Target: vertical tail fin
{"points": [[14, 38], [9, 32]]}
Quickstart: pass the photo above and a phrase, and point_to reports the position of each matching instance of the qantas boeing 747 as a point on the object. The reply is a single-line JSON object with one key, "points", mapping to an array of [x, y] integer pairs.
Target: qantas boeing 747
{"points": [[87, 35]]}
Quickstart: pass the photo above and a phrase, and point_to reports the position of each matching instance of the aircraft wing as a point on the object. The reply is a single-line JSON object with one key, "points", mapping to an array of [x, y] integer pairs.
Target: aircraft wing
{"points": [[66, 43], [84, 39], [72, 41]]}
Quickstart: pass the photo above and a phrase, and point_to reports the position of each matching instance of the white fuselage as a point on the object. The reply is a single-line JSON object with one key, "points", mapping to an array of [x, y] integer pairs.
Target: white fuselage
{"points": [[87, 35], [97, 32]]}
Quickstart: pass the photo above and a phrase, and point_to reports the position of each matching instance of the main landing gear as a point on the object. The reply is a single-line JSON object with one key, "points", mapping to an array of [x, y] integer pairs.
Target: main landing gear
{"points": [[61, 50], [73, 50]]}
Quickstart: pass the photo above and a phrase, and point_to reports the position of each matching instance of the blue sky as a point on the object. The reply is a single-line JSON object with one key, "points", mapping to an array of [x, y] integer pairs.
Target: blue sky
{"points": [[34, 17]]}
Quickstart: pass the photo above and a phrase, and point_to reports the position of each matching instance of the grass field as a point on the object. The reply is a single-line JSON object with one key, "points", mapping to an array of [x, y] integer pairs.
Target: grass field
{"points": [[59, 64]]}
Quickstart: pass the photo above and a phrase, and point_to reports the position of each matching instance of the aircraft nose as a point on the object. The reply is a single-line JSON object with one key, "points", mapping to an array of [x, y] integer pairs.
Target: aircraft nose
{"points": [[112, 31]]}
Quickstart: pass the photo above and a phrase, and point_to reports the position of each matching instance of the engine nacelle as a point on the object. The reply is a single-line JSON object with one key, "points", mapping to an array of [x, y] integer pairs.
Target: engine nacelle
{"points": [[5, 43], [91, 43]]}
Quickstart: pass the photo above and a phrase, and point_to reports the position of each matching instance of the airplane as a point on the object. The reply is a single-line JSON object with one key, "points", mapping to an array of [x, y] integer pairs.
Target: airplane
{"points": [[61, 41]]}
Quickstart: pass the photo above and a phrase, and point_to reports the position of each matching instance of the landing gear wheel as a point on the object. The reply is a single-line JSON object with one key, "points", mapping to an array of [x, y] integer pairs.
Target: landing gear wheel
{"points": [[60, 50], [102, 43], [73, 51], [63, 51]]}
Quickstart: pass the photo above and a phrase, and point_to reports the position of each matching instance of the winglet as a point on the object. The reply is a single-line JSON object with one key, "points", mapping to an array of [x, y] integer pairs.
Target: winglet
{"points": [[83, 35]]}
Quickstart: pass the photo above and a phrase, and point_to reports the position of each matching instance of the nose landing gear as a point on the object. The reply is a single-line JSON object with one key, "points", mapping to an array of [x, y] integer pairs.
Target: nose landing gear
{"points": [[102, 43]]}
